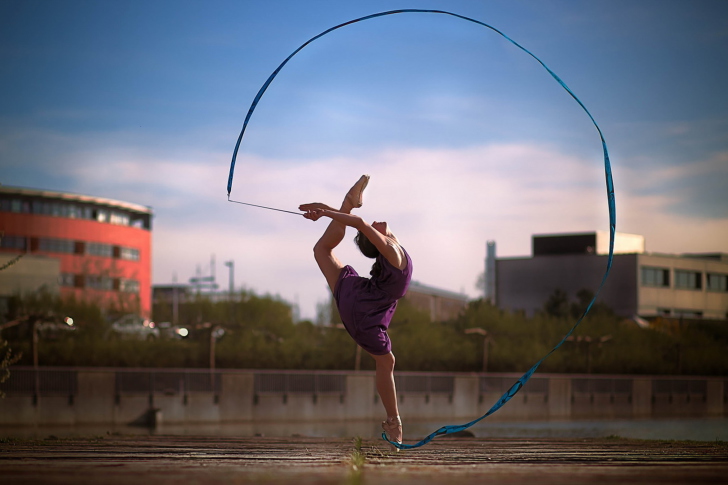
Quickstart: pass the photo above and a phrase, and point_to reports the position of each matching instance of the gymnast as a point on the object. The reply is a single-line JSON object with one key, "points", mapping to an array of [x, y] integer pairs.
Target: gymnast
{"points": [[366, 305]]}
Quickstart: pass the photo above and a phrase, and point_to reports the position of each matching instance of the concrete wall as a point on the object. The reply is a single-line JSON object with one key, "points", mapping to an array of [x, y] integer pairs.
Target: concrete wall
{"points": [[94, 396]]}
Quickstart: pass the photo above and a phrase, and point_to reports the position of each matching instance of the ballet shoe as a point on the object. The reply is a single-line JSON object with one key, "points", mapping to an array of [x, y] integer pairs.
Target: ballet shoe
{"points": [[356, 192], [393, 428]]}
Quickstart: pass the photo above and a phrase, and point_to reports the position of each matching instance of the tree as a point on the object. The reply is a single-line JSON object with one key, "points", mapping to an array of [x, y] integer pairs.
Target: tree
{"points": [[7, 358], [557, 305]]}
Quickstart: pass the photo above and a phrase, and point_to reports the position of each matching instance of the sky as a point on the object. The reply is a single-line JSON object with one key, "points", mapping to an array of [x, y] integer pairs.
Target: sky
{"points": [[466, 138]]}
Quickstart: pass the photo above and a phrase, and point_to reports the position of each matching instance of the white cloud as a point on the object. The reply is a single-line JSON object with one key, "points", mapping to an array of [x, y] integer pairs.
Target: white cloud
{"points": [[443, 205]]}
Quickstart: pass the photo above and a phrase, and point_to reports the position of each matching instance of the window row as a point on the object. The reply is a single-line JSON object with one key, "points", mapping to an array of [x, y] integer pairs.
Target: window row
{"points": [[684, 279], [98, 282], [74, 211], [68, 246]]}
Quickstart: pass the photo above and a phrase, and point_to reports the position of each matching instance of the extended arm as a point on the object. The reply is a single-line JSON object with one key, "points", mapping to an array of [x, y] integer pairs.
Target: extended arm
{"points": [[388, 246]]}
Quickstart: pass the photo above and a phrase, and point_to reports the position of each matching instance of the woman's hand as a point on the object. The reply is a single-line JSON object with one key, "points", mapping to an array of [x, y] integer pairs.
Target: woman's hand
{"points": [[314, 214], [314, 205]]}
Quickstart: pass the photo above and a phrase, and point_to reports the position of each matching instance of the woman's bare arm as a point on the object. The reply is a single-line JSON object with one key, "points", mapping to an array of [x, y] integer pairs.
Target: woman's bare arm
{"points": [[387, 246]]}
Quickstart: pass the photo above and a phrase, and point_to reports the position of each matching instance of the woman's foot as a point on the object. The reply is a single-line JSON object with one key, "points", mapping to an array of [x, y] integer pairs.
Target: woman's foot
{"points": [[354, 197], [393, 427]]}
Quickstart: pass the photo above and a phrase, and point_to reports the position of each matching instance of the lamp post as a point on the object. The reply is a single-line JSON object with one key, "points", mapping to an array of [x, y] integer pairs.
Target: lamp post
{"points": [[215, 334], [486, 343]]}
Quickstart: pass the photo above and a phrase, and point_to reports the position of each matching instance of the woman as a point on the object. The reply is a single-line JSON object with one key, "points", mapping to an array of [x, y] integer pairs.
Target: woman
{"points": [[366, 305]]}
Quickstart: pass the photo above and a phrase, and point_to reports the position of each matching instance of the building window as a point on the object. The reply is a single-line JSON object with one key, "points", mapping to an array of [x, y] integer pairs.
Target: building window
{"points": [[119, 218], [129, 254], [100, 282], [101, 215], [41, 207], [67, 279], [100, 249], [688, 280], [688, 313], [659, 277], [128, 286], [50, 245], [13, 242], [717, 282]]}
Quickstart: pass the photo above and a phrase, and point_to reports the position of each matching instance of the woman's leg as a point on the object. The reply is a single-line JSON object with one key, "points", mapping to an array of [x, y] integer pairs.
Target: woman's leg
{"points": [[388, 394], [323, 251]]}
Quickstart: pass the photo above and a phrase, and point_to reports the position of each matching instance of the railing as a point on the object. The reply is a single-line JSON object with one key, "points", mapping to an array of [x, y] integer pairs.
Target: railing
{"points": [[168, 382], [501, 384], [299, 383], [689, 390], [44, 382], [424, 384], [601, 386]]}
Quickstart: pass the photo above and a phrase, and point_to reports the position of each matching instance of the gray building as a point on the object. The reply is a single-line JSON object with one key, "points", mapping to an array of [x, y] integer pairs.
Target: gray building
{"points": [[642, 284]]}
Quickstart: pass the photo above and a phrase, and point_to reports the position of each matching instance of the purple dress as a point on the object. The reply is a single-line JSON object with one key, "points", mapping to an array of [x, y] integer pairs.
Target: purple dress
{"points": [[366, 305]]}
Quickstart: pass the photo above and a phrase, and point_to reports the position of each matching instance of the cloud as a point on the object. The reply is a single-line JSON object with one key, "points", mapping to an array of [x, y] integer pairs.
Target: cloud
{"points": [[692, 190], [443, 204]]}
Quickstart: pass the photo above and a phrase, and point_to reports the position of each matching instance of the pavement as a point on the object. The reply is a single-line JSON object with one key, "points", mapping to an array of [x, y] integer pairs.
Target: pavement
{"points": [[161, 460]]}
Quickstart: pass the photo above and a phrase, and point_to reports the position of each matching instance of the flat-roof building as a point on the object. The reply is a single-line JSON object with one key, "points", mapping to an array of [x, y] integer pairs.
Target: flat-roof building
{"points": [[640, 283], [440, 304], [102, 246]]}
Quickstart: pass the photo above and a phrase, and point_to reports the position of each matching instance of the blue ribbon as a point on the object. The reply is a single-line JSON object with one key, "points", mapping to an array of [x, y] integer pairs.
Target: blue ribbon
{"points": [[610, 201]]}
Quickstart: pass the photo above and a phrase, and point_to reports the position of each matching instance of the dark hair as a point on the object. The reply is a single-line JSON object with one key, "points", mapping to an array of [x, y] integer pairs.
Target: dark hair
{"points": [[369, 250]]}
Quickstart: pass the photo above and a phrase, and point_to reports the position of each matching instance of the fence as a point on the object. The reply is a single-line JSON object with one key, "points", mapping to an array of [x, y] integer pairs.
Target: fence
{"points": [[106, 395]]}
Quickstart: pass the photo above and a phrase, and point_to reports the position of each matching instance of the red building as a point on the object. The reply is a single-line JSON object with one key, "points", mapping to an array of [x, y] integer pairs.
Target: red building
{"points": [[103, 245]]}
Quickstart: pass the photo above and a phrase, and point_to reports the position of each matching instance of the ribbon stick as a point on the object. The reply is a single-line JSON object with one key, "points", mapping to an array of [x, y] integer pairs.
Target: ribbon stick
{"points": [[607, 173]]}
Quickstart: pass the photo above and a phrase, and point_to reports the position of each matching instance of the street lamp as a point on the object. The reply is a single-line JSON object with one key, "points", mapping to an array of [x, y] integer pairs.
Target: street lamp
{"points": [[486, 343], [215, 334]]}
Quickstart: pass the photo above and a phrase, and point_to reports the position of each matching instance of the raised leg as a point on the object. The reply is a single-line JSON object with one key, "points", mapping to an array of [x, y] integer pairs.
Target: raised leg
{"points": [[323, 251]]}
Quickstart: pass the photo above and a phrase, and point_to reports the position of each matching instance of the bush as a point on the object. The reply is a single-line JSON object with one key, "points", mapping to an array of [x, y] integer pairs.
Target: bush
{"points": [[260, 334]]}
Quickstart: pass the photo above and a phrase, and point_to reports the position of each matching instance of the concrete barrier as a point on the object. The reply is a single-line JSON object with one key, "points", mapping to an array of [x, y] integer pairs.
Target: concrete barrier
{"points": [[53, 396]]}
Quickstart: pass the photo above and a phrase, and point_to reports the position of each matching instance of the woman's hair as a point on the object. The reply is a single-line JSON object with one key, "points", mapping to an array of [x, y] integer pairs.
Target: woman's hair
{"points": [[369, 250]]}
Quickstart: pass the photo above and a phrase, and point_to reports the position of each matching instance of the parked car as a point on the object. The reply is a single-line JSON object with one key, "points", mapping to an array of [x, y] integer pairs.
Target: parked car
{"points": [[135, 327], [55, 327], [169, 331]]}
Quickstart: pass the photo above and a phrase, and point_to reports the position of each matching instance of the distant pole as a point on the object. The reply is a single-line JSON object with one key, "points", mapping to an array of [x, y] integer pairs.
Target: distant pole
{"points": [[36, 377], [357, 362], [212, 350], [216, 333], [486, 344], [490, 276], [175, 305], [231, 265]]}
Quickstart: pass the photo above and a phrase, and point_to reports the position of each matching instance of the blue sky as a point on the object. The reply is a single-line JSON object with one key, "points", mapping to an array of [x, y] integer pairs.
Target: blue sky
{"points": [[466, 138]]}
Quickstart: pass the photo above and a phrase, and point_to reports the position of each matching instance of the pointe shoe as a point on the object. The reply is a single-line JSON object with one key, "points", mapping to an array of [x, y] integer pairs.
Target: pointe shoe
{"points": [[356, 193], [393, 427]]}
